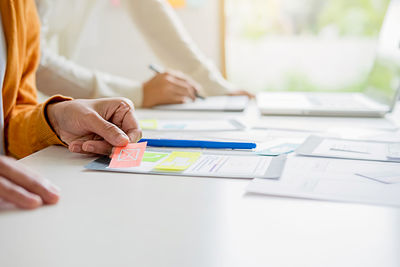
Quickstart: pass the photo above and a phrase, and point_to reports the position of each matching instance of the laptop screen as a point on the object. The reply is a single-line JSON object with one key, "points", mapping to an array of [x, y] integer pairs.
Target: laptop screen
{"points": [[383, 81]]}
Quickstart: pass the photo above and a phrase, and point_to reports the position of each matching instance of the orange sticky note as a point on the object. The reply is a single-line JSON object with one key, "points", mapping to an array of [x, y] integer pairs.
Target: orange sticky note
{"points": [[128, 156], [177, 3]]}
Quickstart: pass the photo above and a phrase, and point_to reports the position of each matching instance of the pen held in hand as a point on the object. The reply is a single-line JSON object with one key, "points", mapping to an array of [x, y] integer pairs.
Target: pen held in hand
{"points": [[158, 70]]}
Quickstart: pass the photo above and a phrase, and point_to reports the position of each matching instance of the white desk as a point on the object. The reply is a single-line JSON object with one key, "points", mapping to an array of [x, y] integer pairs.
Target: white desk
{"points": [[108, 219]]}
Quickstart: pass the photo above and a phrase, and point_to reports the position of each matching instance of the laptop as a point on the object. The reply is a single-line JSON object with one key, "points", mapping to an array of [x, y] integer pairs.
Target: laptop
{"points": [[377, 98]]}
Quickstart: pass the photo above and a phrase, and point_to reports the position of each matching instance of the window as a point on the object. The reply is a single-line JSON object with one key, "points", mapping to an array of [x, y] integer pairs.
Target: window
{"points": [[301, 45]]}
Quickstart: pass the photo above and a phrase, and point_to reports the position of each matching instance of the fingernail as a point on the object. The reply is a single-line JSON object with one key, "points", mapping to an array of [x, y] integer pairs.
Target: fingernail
{"points": [[76, 148], [55, 189], [89, 148], [122, 139], [33, 202]]}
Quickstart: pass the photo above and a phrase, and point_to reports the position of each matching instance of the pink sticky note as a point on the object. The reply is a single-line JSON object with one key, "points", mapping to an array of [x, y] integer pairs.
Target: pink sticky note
{"points": [[128, 156]]}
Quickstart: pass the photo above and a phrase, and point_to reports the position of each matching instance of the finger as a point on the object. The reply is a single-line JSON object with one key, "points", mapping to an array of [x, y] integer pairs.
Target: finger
{"points": [[178, 99], [107, 130], [30, 181], [125, 117], [186, 79], [131, 127], [97, 147], [76, 146], [183, 89], [17, 195]]}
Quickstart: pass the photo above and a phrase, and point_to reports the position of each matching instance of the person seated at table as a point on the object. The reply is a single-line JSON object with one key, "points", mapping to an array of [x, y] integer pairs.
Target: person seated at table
{"points": [[85, 126], [62, 24]]}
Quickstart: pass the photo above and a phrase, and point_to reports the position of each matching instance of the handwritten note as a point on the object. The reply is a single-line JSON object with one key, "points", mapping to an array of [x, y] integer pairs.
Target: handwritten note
{"points": [[128, 156]]}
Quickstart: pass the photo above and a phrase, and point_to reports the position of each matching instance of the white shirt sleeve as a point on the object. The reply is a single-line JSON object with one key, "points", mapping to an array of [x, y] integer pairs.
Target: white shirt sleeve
{"points": [[165, 35], [59, 75], [168, 39]]}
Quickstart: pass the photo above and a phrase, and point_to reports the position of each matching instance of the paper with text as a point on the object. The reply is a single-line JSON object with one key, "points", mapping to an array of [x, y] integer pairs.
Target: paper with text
{"points": [[178, 161], [332, 179], [226, 164]]}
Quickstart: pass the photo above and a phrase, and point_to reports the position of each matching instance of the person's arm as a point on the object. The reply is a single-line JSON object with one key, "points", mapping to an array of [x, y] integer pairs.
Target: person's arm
{"points": [[172, 44], [59, 75], [79, 124], [86, 126]]}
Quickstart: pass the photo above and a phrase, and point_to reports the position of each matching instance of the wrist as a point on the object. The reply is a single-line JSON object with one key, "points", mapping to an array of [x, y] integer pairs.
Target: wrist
{"points": [[51, 115]]}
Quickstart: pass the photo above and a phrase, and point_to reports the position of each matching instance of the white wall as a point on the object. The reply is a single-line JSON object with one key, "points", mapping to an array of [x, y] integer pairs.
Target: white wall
{"points": [[113, 44]]}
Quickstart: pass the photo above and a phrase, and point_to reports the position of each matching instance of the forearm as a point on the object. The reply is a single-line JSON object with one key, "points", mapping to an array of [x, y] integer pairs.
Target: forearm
{"points": [[27, 129], [171, 43], [58, 75]]}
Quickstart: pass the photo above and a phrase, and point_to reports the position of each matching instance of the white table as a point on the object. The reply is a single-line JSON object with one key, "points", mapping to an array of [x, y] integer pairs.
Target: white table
{"points": [[109, 219]]}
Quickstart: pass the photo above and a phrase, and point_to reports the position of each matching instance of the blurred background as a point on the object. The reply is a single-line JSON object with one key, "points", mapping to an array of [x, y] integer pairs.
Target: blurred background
{"points": [[296, 45], [302, 45]]}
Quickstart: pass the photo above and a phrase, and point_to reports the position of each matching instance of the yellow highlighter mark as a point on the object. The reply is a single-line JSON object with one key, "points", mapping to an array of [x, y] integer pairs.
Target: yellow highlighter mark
{"points": [[178, 161], [148, 124]]}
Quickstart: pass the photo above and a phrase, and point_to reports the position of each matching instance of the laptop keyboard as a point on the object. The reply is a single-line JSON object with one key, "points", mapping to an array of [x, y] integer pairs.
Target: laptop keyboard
{"points": [[346, 102]]}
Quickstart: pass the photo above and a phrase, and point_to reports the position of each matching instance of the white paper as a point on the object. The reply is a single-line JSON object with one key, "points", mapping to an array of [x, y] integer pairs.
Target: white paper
{"points": [[331, 179], [346, 149], [387, 176], [190, 125], [210, 164], [213, 103]]}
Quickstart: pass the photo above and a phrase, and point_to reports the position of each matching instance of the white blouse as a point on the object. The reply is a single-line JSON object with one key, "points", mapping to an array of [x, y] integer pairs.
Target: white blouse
{"points": [[165, 35]]}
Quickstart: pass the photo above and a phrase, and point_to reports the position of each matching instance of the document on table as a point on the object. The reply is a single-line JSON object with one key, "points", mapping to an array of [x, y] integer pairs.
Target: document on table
{"points": [[321, 124], [190, 125], [346, 149], [212, 103], [334, 180], [204, 164]]}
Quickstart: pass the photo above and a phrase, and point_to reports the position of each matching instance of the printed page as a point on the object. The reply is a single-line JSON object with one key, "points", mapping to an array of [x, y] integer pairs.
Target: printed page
{"points": [[345, 149], [332, 179], [205, 164]]}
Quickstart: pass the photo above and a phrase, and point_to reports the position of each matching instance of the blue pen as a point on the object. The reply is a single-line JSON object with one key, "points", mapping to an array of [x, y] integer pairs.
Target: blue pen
{"points": [[197, 144]]}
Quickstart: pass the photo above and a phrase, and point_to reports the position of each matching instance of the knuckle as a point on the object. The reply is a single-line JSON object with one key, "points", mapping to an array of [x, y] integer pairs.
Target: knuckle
{"points": [[6, 187], [35, 185], [110, 128], [170, 79], [127, 102]]}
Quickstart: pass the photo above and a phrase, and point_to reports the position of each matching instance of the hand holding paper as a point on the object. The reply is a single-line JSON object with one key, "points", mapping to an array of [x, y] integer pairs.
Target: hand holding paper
{"points": [[95, 126], [128, 156]]}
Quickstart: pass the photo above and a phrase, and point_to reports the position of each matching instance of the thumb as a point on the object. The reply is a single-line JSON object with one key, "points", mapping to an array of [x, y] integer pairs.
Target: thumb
{"points": [[107, 130]]}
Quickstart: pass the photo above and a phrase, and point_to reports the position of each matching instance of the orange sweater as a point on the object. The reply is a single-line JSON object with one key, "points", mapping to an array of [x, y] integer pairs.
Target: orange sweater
{"points": [[26, 126]]}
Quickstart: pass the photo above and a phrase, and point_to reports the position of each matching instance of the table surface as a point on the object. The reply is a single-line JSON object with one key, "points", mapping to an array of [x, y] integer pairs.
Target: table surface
{"points": [[109, 219]]}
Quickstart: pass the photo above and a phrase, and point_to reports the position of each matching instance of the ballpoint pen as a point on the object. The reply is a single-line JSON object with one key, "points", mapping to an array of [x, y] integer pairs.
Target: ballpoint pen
{"points": [[197, 144]]}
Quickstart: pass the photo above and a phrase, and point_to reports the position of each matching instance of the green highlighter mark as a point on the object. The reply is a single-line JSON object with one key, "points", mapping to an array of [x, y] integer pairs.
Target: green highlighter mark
{"points": [[153, 157]]}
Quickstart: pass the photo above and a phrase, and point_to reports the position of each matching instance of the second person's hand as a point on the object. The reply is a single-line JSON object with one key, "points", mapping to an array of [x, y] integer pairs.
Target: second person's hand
{"points": [[169, 88]]}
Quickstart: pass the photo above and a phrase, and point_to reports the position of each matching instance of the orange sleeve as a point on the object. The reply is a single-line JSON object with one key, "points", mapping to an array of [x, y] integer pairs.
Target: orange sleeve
{"points": [[27, 129], [30, 129]]}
